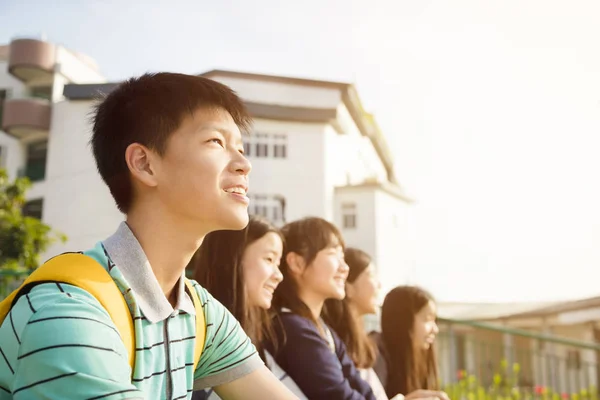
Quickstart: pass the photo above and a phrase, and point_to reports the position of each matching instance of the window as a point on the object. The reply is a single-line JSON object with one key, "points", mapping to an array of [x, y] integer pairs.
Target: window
{"points": [[3, 95], [33, 208], [42, 92], [260, 205], [2, 157], [262, 146], [271, 207], [35, 169], [280, 146], [259, 145], [574, 359], [349, 215]]}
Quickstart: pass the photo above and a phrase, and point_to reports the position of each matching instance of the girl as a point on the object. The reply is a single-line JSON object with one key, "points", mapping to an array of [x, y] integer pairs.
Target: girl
{"points": [[241, 270], [407, 363], [314, 270], [345, 316]]}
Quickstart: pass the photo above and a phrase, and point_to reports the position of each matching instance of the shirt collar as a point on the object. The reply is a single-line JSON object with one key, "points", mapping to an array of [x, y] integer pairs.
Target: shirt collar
{"points": [[127, 254]]}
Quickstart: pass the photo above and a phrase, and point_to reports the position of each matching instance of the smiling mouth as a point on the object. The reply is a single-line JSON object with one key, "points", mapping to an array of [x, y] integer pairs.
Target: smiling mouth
{"points": [[238, 193], [236, 190], [269, 290]]}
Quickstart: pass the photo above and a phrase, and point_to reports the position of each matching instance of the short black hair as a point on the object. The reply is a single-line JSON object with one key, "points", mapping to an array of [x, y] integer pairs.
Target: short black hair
{"points": [[147, 110]]}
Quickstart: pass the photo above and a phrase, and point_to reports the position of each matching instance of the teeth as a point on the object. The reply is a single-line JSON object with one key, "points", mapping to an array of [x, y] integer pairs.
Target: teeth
{"points": [[236, 190]]}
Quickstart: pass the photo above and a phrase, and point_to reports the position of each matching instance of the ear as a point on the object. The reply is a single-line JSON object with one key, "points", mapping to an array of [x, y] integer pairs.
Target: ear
{"points": [[140, 161], [296, 263]]}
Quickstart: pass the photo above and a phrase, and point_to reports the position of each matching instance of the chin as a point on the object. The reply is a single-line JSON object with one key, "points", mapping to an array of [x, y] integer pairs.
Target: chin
{"points": [[372, 310], [234, 222], [266, 305]]}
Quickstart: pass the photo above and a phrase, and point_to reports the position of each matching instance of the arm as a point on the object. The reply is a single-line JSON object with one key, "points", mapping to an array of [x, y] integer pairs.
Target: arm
{"points": [[350, 371], [308, 360], [228, 353], [69, 348], [260, 384]]}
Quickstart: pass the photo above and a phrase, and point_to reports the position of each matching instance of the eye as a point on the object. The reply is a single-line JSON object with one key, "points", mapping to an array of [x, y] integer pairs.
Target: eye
{"points": [[217, 141], [269, 259]]}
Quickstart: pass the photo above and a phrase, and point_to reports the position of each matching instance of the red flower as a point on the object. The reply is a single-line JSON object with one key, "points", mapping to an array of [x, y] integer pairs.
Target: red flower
{"points": [[539, 389], [565, 396], [461, 374]]}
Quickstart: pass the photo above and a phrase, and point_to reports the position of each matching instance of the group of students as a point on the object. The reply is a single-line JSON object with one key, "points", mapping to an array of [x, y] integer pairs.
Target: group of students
{"points": [[254, 326], [301, 296]]}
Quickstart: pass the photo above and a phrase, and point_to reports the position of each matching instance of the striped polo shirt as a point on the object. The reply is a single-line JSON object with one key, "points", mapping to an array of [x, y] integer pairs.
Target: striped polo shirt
{"points": [[58, 341]]}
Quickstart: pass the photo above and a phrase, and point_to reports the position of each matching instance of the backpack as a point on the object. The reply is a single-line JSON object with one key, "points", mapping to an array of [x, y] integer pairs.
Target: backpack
{"points": [[86, 273]]}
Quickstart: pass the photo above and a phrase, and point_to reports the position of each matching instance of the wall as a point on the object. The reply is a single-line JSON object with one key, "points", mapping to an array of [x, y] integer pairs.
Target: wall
{"points": [[364, 235], [14, 155], [298, 177], [76, 201], [77, 69], [282, 93], [395, 259]]}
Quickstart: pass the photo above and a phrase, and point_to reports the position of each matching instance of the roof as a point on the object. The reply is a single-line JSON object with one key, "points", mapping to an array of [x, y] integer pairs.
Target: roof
{"points": [[560, 307], [486, 311], [364, 121], [390, 188]]}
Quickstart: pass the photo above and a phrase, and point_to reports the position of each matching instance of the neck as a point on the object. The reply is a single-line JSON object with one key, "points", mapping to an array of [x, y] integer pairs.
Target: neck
{"points": [[314, 303], [168, 242], [356, 313]]}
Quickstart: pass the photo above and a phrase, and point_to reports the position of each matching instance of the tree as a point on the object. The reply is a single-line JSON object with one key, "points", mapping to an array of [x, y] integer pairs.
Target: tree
{"points": [[22, 238]]}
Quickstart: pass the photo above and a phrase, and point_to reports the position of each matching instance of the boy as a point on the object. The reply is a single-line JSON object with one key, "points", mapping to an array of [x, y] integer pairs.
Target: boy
{"points": [[169, 147]]}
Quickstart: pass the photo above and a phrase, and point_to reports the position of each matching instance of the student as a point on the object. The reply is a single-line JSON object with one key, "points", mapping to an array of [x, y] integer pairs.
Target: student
{"points": [[345, 316], [169, 147], [407, 363], [314, 270], [241, 270]]}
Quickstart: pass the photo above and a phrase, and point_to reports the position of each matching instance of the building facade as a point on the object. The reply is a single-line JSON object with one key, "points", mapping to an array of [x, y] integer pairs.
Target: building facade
{"points": [[314, 150]]}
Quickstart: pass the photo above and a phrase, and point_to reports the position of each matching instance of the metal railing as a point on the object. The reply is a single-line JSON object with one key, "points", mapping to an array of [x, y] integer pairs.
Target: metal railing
{"points": [[477, 358]]}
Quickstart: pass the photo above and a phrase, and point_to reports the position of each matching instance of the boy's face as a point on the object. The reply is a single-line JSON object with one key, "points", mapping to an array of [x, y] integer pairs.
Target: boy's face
{"points": [[202, 178]]}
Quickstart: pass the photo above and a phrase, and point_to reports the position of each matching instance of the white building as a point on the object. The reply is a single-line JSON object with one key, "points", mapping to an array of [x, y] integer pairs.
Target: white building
{"points": [[314, 150]]}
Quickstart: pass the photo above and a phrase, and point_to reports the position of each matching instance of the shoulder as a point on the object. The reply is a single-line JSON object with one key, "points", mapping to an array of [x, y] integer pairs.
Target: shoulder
{"points": [[291, 320], [60, 309], [228, 352]]}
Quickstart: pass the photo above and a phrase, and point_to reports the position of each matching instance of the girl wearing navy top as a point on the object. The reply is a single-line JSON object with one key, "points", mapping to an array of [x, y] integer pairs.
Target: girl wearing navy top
{"points": [[314, 270], [241, 270]]}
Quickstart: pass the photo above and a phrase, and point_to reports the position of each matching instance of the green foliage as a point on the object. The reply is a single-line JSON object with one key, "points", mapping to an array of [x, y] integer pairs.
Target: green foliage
{"points": [[22, 238], [505, 386]]}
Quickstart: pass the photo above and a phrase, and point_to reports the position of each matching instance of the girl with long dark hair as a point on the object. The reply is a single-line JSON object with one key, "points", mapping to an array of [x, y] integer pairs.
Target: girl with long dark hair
{"points": [[314, 270], [345, 316], [407, 363], [241, 270]]}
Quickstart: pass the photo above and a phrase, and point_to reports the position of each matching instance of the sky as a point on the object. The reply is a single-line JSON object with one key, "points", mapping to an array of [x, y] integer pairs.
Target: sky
{"points": [[491, 109]]}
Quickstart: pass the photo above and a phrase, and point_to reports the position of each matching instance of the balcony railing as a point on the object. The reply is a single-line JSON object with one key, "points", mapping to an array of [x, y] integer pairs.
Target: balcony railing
{"points": [[476, 356]]}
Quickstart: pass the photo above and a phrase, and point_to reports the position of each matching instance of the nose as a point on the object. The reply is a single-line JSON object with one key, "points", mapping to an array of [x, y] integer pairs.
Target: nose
{"points": [[277, 275], [344, 267], [436, 329], [241, 164]]}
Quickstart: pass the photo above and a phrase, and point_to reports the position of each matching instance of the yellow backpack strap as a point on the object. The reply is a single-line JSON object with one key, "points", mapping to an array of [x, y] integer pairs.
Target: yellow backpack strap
{"points": [[200, 323], [86, 273]]}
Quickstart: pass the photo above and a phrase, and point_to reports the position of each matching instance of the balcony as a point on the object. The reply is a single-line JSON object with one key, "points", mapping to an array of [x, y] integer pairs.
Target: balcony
{"points": [[26, 117], [32, 60]]}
